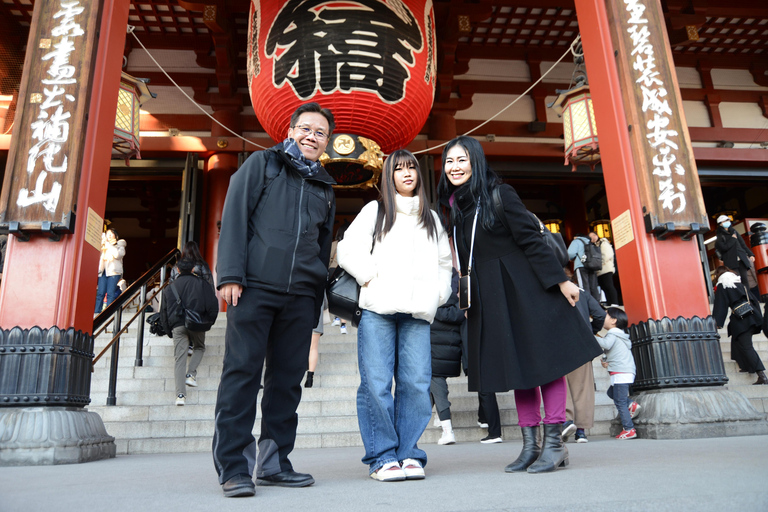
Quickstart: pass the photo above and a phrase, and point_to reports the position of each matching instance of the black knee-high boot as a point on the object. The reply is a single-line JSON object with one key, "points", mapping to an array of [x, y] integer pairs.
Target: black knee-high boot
{"points": [[554, 454], [530, 452]]}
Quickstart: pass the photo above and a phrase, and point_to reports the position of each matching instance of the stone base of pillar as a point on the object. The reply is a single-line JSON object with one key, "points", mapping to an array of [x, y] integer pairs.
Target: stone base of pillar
{"points": [[37, 436], [692, 413]]}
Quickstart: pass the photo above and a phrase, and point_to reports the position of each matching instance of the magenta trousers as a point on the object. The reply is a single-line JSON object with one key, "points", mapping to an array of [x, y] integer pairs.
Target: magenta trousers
{"points": [[528, 402]]}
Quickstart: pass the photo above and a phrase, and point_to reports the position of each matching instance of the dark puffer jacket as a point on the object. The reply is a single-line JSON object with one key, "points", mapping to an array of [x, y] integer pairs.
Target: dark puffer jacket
{"points": [[445, 334], [195, 293]]}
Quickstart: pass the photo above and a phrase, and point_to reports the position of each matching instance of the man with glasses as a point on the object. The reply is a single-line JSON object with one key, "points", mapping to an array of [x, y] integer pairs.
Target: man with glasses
{"points": [[274, 247]]}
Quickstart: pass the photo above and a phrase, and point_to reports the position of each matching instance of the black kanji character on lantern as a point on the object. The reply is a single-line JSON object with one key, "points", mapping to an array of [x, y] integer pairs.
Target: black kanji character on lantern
{"points": [[358, 44]]}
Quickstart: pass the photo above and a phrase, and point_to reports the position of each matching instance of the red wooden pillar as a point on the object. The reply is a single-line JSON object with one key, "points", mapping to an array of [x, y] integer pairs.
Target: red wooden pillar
{"points": [[218, 170], [658, 278], [54, 283]]}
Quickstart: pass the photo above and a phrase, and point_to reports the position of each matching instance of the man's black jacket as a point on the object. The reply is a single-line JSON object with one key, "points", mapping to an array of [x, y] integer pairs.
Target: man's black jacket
{"points": [[195, 293], [276, 227], [732, 250]]}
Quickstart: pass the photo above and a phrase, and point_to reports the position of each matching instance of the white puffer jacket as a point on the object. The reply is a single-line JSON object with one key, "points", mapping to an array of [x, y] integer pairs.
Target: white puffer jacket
{"points": [[111, 259], [408, 271]]}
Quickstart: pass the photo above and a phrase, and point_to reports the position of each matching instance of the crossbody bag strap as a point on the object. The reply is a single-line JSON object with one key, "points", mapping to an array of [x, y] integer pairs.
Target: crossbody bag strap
{"points": [[178, 299], [471, 246]]}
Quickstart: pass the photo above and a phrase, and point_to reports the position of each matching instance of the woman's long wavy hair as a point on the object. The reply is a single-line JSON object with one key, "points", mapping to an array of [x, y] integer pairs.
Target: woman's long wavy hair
{"points": [[481, 183], [191, 253], [385, 218]]}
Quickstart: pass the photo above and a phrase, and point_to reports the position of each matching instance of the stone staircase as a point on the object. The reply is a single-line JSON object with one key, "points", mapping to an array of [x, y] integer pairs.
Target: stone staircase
{"points": [[145, 419]]}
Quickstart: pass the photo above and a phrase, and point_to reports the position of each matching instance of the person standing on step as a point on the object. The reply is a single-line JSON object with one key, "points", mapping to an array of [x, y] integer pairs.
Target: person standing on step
{"points": [[192, 292], [607, 270], [587, 260], [275, 243], [620, 364], [524, 332], [399, 253], [729, 293], [445, 338], [110, 269], [732, 249], [580, 407], [338, 322], [201, 269]]}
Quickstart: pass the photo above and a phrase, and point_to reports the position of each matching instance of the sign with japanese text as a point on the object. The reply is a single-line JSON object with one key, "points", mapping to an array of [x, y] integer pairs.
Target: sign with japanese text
{"points": [[43, 169], [667, 176]]}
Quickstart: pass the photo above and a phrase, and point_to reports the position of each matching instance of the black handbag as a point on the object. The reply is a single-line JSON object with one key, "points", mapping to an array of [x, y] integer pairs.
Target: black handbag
{"points": [[553, 240], [343, 295], [744, 308], [155, 325]]}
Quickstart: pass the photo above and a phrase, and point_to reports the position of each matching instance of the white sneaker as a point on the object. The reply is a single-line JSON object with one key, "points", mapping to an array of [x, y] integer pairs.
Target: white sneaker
{"points": [[181, 399], [389, 472], [343, 329], [436, 423], [190, 350], [413, 469], [336, 322], [191, 380], [491, 440], [447, 438], [482, 425]]}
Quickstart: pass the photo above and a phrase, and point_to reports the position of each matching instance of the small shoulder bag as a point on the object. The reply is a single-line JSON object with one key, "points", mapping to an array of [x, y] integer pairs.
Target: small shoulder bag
{"points": [[743, 308]]}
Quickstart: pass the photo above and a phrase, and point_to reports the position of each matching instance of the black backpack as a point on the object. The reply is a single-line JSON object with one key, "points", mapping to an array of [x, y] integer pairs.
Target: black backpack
{"points": [[593, 257]]}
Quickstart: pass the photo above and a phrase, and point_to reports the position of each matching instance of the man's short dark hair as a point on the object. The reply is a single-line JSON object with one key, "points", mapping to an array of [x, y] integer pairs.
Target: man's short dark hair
{"points": [[185, 266], [313, 107]]}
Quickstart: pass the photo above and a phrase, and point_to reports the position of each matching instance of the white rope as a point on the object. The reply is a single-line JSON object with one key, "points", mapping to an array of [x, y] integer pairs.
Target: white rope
{"points": [[130, 31], [569, 50]]}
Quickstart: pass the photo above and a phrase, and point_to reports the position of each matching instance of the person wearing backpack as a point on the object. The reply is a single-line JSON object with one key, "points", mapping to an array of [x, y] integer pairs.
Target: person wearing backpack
{"points": [[192, 292], [605, 274], [275, 243], [587, 259]]}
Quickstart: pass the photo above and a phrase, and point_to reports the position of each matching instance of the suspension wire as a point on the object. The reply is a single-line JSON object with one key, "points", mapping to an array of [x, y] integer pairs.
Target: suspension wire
{"points": [[571, 49], [131, 31]]}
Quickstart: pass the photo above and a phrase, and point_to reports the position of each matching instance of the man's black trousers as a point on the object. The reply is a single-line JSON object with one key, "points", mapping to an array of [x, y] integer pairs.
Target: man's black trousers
{"points": [[265, 330]]}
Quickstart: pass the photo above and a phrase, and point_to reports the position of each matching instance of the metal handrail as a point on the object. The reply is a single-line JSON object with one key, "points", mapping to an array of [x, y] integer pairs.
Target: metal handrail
{"points": [[113, 313]]}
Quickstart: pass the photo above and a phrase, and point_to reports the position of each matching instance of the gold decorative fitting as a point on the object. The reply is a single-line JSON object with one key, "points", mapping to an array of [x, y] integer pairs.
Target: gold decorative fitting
{"points": [[693, 32], [45, 44], [464, 25], [344, 144], [36, 97], [222, 143], [372, 158]]}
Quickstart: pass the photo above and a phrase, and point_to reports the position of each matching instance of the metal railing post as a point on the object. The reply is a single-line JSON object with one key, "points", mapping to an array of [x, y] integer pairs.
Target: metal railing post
{"points": [[112, 393], [140, 332]]}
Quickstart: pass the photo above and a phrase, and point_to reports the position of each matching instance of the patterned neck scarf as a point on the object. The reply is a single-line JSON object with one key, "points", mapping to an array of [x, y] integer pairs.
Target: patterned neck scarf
{"points": [[307, 168]]}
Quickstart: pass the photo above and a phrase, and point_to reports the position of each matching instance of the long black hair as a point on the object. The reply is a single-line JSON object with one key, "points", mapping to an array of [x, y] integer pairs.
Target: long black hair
{"points": [[481, 183], [191, 253], [385, 218]]}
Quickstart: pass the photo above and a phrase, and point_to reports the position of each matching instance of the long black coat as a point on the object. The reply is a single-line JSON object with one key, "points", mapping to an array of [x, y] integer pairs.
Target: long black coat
{"points": [[522, 332], [732, 250], [726, 298]]}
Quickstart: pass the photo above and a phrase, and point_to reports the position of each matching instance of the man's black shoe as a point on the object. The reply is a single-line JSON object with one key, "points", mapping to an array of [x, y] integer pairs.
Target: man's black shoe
{"points": [[238, 486], [288, 478]]}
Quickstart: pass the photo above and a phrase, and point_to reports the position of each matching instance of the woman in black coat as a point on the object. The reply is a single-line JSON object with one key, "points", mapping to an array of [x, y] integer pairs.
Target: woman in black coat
{"points": [[523, 331], [729, 292]]}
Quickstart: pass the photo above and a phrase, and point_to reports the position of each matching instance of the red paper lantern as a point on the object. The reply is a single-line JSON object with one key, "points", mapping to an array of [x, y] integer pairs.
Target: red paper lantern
{"points": [[372, 62]]}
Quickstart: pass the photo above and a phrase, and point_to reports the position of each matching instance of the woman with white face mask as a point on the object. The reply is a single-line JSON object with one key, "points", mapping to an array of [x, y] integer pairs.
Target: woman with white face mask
{"points": [[733, 249], [398, 252]]}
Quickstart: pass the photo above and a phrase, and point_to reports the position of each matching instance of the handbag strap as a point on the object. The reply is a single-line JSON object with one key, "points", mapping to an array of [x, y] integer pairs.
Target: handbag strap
{"points": [[176, 293], [472, 245]]}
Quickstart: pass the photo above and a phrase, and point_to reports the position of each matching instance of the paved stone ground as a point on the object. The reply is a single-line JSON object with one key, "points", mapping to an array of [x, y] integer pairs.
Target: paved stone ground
{"points": [[604, 475]]}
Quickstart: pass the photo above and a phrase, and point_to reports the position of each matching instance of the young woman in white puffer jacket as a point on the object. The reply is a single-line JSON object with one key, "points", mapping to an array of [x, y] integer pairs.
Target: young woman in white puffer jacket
{"points": [[399, 253]]}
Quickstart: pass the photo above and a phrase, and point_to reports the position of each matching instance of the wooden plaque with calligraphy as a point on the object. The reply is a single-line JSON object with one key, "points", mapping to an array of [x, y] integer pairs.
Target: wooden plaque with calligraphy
{"points": [[43, 170], [666, 170]]}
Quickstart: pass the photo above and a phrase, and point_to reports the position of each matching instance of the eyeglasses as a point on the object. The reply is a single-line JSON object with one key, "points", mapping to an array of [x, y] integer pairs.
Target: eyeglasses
{"points": [[306, 131]]}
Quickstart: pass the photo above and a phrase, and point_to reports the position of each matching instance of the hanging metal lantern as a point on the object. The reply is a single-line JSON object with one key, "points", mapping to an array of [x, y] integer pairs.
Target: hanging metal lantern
{"points": [[602, 228], [579, 128], [132, 94], [553, 225], [372, 62]]}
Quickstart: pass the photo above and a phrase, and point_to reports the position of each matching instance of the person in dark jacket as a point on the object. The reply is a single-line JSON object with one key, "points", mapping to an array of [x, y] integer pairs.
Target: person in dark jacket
{"points": [[580, 406], [198, 295], [729, 292], [276, 234], [445, 338], [524, 332], [733, 249], [191, 252]]}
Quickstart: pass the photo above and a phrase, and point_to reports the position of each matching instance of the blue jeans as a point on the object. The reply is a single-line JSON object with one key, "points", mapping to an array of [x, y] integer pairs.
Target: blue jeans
{"points": [[620, 395], [107, 286], [393, 346]]}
